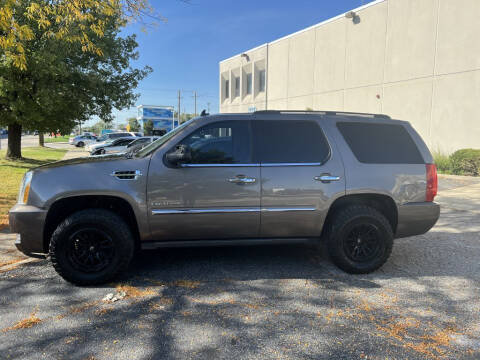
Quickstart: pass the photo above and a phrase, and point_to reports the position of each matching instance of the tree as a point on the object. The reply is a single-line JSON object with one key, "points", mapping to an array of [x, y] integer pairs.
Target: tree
{"points": [[64, 81], [134, 124], [148, 128], [73, 21]]}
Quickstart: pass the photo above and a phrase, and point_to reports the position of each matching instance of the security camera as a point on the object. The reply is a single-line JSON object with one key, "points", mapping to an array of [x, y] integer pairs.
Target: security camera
{"points": [[350, 14]]}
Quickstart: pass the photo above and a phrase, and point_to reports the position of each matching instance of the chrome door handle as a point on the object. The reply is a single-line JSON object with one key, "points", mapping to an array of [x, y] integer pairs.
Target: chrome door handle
{"points": [[242, 180], [326, 178]]}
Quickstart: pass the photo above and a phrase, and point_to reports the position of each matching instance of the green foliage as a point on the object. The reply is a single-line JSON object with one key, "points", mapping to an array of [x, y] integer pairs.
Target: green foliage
{"points": [[61, 84], [148, 128], [461, 162], [98, 127], [443, 162], [466, 162], [134, 124]]}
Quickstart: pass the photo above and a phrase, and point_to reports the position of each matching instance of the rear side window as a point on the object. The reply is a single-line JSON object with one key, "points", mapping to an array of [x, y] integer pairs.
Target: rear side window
{"points": [[290, 141], [380, 143]]}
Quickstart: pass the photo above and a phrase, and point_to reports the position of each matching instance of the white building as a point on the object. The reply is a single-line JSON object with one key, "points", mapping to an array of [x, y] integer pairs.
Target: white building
{"points": [[415, 60]]}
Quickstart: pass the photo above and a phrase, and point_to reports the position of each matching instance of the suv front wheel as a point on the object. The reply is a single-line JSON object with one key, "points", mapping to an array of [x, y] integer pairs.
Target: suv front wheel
{"points": [[91, 247], [360, 239]]}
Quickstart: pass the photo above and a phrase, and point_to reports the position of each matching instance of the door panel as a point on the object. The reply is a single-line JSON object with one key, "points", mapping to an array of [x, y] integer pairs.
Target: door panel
{"points": [[216, 195], [293, 203], [294, 155]]}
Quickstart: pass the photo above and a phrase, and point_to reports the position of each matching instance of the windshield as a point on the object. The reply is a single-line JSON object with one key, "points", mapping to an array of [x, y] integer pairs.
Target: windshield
{"points": [[156, 144]]}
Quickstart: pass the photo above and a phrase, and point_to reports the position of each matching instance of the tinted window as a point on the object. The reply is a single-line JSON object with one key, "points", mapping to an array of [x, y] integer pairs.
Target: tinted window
{"points": [[139, 141], [380, 143], [122, 142], [291, 141], [226, 142]]}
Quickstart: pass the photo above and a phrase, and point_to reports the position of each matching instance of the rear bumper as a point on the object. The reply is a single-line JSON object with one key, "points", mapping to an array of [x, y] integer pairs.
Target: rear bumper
{"points": [[28, 222], [416, 218]]}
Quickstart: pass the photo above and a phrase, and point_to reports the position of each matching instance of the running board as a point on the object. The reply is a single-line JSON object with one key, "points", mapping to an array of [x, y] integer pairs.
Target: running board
{"points": [[147, 245]]}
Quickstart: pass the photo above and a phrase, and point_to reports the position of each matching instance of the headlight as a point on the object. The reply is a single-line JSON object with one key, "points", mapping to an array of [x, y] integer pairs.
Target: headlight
{"points": [[25, 188]]}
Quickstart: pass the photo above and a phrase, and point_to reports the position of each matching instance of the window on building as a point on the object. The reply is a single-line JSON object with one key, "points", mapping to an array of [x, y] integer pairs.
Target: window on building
{"points": [[227, 89], [261, 80], [380, 143], [224, 142], [237, 86], [249, 84], [290, 141]]}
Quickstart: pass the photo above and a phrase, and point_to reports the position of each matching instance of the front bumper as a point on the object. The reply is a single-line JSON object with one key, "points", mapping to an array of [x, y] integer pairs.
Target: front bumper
{"points": [[28, 222], [416, 218]]}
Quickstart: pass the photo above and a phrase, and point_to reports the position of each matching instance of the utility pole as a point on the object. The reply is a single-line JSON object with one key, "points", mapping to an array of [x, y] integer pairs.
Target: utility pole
{"points": [[208, 107], [195, 97], [178, 114]]}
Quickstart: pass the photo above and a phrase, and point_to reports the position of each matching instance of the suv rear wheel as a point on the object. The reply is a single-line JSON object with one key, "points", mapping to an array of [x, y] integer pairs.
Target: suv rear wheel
{"points": [[360, 239], [91, 247]]}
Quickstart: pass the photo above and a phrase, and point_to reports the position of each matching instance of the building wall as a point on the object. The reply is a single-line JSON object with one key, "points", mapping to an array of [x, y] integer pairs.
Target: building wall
{"points": [[415, 60]]}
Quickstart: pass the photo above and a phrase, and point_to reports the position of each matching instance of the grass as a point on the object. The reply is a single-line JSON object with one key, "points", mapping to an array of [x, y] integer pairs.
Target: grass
{"points": [[11, 173], [52, 139]]}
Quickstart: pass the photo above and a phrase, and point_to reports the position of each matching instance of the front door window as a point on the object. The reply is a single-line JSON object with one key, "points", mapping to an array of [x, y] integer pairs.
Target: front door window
{"points": [[226, 142]]}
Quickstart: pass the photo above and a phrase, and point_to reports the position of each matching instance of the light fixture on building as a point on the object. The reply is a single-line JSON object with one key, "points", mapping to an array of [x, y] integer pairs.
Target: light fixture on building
{"points": [[350, 15], [245, 56]]}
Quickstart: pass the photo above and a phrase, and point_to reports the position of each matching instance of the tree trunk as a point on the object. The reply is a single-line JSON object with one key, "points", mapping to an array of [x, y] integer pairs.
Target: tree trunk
{"points": [[14, 148], [41, 139]]}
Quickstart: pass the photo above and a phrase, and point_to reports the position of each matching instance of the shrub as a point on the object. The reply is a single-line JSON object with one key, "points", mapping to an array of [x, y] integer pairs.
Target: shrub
{"points": [[443, 162], [466, 162]]}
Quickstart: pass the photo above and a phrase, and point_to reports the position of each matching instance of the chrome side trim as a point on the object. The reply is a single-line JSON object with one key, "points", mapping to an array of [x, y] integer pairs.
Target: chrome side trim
{"points": [[229, 210], [249, 165], [202, 211], [280, 209], [290, 164], [217, 165]]}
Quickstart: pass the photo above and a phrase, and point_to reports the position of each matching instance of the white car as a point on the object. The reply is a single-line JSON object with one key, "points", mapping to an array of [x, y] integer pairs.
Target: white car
{"points": [[124, 145], [110, 146], [107, 138], [82, 140]]}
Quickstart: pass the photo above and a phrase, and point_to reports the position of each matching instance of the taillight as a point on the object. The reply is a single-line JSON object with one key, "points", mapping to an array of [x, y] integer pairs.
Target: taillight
{"points": [[432, 182]]}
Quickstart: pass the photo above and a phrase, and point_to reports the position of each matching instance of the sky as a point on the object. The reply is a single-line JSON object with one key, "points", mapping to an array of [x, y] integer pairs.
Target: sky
{"points": [[184, 51]]}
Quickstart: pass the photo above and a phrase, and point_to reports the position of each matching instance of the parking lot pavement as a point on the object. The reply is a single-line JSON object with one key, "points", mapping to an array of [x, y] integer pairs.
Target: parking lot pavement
{"points": [[73, 151], [263, 302]]}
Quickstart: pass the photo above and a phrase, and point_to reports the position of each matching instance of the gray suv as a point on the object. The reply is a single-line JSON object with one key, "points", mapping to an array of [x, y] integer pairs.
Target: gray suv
{"points": [[355, 181]]}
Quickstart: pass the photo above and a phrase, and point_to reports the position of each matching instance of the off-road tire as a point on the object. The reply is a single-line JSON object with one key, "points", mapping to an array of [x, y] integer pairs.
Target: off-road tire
{"points": [[105, 221], [340, 227]]}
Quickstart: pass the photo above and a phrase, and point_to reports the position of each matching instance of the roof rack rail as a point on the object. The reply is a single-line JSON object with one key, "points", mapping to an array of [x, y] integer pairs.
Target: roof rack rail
{"points": [[345, 113]]}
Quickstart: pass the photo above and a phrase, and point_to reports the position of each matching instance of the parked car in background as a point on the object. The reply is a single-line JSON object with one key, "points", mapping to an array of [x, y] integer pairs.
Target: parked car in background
{"points": [[82, 140], [115, 146], [140, 143], [353, 181], [116, 135], [99, 145]]}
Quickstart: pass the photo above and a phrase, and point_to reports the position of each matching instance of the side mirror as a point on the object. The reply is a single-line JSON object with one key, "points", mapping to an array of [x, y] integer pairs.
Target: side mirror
{"points": [[181, 154]]}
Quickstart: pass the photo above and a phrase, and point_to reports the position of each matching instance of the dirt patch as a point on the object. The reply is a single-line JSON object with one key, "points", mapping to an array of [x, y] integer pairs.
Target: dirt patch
{"points": [[25, 323], [189, 284], [135, 292]]}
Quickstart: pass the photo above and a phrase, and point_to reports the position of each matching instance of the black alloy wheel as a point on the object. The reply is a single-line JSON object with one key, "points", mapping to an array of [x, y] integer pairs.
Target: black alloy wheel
{"points": [[90, 250], [363, 242], [359, 239]]}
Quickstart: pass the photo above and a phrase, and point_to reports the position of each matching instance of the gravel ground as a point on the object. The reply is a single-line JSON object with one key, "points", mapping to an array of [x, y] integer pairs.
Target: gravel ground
{"points": [[263, 302]]}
